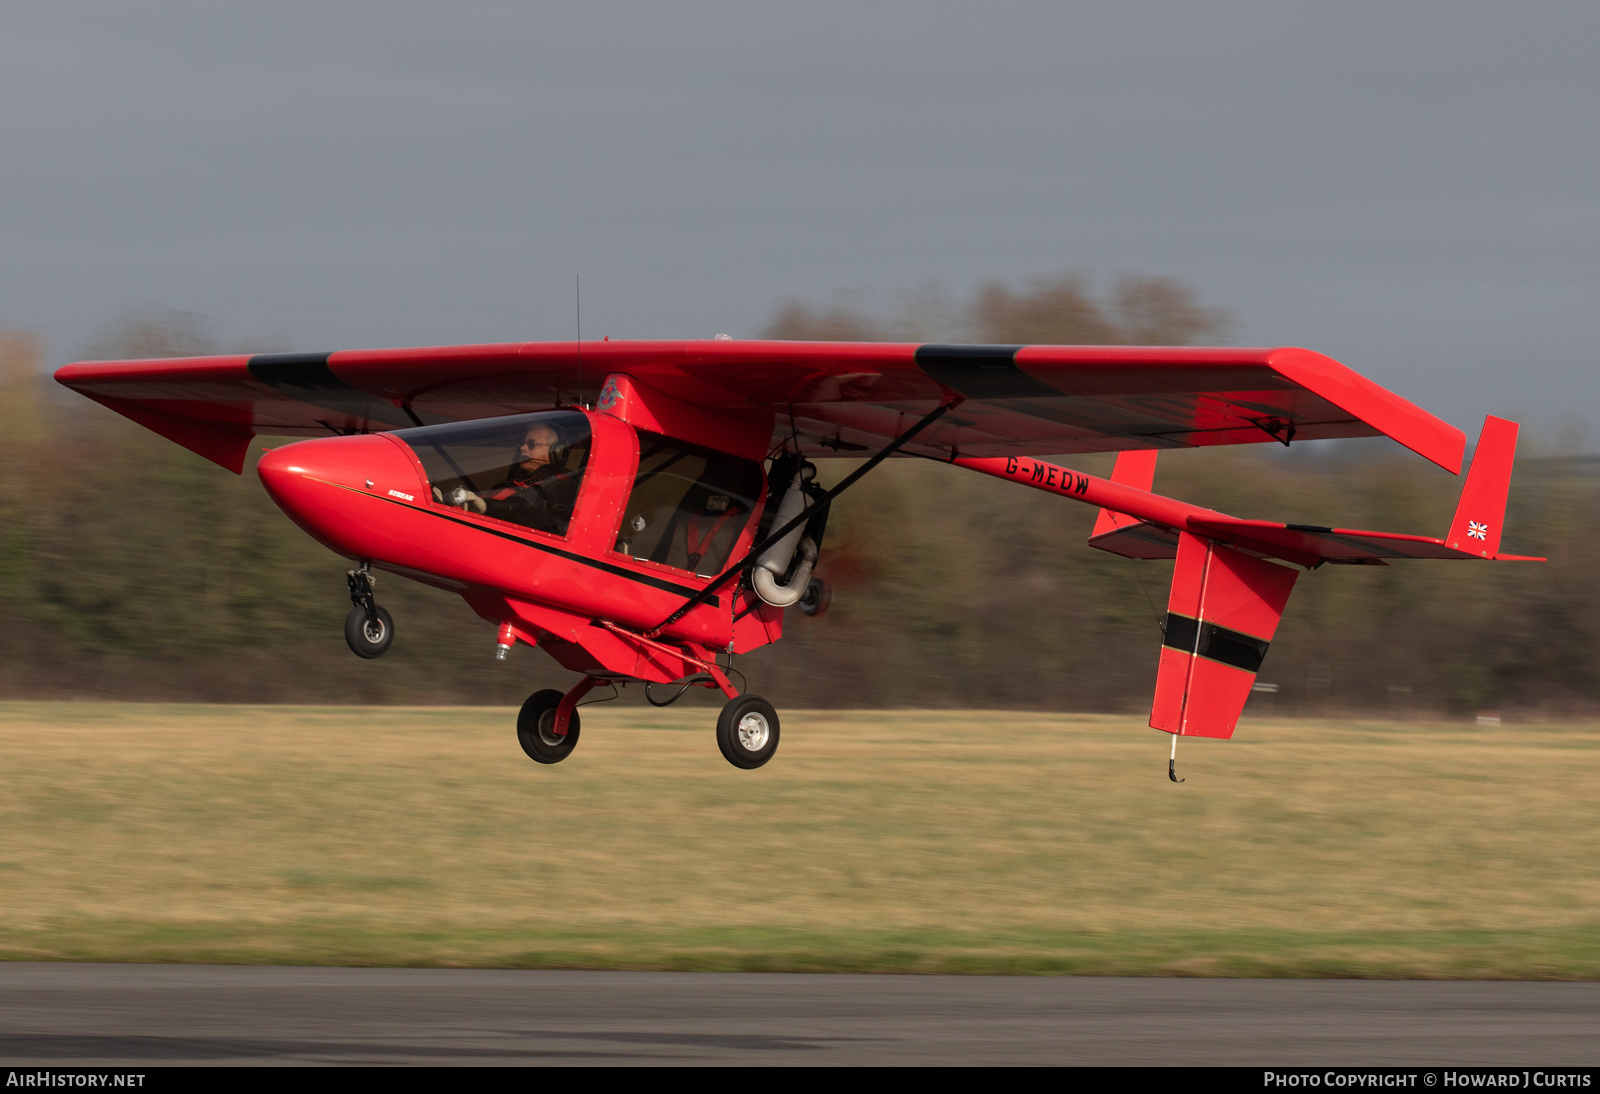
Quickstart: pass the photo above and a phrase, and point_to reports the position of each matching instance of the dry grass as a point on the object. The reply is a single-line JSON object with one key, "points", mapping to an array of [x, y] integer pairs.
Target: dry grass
{"points": [[968, 841]]}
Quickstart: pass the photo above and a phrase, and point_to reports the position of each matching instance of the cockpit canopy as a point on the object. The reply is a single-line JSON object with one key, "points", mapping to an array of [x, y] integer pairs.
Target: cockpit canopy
{"points": [[524, 469]]}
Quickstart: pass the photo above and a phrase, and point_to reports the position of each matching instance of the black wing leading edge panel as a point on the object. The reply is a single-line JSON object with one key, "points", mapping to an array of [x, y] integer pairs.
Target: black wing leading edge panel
{"points": [[982, 372], [307, 377]]}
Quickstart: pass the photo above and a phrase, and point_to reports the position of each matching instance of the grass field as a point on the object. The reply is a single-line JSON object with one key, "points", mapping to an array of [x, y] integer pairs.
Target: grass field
{"points": [[905, 841]]}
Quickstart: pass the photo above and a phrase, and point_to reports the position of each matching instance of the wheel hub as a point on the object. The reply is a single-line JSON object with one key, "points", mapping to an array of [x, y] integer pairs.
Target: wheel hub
{"points": [[753, 731], [547, 730]]}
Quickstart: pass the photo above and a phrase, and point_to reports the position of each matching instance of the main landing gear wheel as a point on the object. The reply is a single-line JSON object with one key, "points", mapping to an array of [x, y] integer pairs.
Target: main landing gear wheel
{"points": [[369, 639], [747, 731], [536, 728]]}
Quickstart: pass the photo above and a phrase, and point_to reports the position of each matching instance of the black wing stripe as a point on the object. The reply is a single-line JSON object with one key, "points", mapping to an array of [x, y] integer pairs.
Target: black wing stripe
{"points": [[307, 377], [982, 372]]}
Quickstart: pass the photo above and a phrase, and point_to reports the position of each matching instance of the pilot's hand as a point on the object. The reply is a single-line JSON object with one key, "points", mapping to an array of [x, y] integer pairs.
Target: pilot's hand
{"points": [[466, 499]]}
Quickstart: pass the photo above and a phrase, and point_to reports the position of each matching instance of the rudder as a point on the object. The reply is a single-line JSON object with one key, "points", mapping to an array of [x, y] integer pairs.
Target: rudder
{"points": [[1222, 612]]}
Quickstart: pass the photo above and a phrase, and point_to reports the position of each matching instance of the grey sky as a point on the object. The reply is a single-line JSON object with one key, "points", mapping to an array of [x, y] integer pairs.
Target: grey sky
{"points": [[1411, 187]]}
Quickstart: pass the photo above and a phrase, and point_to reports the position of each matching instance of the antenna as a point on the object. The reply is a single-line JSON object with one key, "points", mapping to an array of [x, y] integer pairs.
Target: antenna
{"points": [[577, 287]]}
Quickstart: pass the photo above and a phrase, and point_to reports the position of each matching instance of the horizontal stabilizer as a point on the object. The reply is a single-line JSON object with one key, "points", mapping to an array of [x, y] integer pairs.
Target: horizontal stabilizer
{"points": [[1221, 615], [1474, 532], [1138, 539], [1124, 535]]}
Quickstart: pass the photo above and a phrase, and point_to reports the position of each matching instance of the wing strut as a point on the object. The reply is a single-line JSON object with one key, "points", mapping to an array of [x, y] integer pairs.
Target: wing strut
{"points": [[804, 516]]}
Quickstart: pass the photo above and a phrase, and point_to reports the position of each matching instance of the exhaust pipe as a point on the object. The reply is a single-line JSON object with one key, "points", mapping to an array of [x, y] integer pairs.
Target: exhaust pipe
{"points": [[775, 561], [766, 584]]}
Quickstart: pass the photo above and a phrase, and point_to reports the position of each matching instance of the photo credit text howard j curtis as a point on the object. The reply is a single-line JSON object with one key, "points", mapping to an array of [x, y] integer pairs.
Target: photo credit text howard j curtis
{"points": [[1436, 1078]]}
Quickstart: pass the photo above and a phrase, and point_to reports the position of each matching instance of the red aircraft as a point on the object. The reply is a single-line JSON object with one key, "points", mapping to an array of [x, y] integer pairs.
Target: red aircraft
{"points": [[645, 511]]}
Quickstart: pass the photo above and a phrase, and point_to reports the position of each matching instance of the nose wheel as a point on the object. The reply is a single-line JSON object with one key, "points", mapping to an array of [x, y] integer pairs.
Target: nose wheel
{"points": [[368, 629]]}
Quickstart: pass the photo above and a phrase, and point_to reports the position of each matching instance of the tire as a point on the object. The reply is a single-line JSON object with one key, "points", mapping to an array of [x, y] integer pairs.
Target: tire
{"points": [[361, 639], [747, 731], [534, 724]]}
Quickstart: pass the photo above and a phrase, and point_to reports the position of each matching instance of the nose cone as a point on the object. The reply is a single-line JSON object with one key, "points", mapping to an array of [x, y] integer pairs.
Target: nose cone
{"points": [[339, 488], [281, 471]]}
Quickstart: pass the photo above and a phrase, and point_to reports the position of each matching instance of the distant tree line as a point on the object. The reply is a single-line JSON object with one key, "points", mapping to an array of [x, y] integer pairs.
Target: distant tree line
{"points": [[1062, 311], [130, 568]]}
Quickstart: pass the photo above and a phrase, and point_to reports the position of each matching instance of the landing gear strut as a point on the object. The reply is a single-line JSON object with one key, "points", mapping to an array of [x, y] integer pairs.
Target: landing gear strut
{"points": [[747, 728], [368, 629]]}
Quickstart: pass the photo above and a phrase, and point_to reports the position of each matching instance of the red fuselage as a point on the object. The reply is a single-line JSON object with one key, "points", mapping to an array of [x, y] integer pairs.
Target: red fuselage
{"points": [[583, 595]]}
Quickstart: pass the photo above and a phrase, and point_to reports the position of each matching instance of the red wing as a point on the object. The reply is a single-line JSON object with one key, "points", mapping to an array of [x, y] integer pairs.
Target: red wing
{"points": [[835, 398]]}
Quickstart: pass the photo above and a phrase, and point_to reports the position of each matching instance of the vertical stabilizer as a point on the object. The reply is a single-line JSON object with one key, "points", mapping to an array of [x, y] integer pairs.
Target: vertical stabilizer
{"points": [[1481, 513], [1136, 469], [1222, 613], [1129, 536]]}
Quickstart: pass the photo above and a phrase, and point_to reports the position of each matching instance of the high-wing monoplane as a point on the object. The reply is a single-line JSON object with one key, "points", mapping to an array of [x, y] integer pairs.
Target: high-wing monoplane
{"points": [[646, 511]]}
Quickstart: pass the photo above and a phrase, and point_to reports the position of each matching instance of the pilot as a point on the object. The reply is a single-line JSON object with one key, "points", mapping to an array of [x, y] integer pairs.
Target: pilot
{"points": [[538, 492]]}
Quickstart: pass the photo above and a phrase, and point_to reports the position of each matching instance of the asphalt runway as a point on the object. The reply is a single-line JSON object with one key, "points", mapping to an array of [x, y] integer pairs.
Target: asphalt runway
{"points": [[186, 1014]]}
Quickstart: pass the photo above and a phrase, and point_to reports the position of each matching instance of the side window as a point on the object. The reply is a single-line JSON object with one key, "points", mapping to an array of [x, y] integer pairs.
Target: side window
{"points": [[524, 469], [688, 506]]}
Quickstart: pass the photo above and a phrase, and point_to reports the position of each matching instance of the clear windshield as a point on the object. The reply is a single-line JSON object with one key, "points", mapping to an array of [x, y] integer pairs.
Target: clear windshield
{"points": [[524, 469], [688, 505]]}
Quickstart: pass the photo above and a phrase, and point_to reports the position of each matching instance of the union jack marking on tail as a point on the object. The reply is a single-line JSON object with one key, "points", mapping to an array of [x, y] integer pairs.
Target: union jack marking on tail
{"points": [[1477, 529]]}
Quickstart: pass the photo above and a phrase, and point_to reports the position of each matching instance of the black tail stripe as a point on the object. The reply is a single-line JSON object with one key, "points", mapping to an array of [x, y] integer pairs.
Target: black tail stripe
{"points": [[1180, 631], [1215, 643]]}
